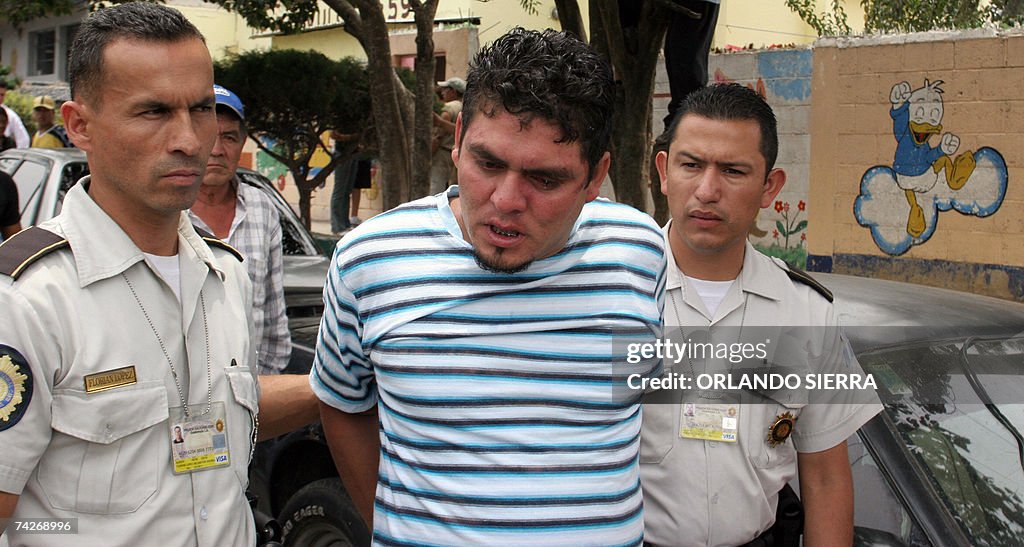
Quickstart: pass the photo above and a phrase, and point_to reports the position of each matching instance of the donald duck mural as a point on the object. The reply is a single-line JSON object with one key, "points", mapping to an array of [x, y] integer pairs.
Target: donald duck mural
{"points": [[900, 202]]}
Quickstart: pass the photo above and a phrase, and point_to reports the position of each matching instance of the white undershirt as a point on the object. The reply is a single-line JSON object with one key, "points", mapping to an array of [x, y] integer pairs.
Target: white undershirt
{"points": [[167, 267], [711, 292]]}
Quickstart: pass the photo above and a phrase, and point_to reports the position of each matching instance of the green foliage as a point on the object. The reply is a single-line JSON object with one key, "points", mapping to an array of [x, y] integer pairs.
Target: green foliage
{"points": [[1007, 12], [825, 24], [794, 256], [911, 15], [921, 15], [21, 103], [287, 16], [7, 76], [18, 12], [292, 97]]}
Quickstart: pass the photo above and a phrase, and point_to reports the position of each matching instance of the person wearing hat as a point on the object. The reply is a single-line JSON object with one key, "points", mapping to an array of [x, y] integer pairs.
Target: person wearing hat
{"points": [[442, 169], [246, 219], [48, 134]]}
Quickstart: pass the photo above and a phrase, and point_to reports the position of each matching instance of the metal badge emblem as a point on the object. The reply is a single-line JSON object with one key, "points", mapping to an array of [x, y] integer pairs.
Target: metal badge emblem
{"points": [[781, 429]]}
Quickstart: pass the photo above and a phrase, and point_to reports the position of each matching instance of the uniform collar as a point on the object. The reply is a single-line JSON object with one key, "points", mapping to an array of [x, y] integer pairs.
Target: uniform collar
{"points": [[758, 275], [102, 249]]}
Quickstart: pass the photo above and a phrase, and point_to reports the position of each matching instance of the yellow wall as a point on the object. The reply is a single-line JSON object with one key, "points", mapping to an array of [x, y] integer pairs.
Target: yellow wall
{"points": [[334, 43], [225, 32], [766, 22]]}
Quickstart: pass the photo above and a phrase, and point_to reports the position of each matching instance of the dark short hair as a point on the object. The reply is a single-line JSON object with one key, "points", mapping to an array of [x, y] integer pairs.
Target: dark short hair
{"points": [[227, 111], [551, 75], [135, 20], [733, 102]]}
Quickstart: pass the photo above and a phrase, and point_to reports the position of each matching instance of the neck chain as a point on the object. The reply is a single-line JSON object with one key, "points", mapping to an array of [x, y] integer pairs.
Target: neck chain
{"points": [[174, 373], [713, 395]]}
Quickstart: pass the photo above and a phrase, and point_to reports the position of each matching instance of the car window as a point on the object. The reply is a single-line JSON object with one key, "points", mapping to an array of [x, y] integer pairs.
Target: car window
{"points": [[970, 455], [878, 515], [295, 240], [30, 177]]}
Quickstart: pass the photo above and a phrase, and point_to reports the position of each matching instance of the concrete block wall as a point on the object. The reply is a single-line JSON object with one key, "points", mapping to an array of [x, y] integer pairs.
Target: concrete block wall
{"points": [[783, 76], [861, 214]]}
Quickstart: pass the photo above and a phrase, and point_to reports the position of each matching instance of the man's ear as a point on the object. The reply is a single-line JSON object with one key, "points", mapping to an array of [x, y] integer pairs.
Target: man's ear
{"points": [[772, 186], [458, 139], [597, 179], [76, 122], [661, 162]]}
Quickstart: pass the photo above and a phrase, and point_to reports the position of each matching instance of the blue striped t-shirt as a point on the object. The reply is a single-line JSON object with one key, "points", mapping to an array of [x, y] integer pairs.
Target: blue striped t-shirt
{"points": [[498, 422]]}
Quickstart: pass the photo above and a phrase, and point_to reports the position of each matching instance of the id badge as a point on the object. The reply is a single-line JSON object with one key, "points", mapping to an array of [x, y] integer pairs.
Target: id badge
{"points": [[199, 442], [709, 422]]}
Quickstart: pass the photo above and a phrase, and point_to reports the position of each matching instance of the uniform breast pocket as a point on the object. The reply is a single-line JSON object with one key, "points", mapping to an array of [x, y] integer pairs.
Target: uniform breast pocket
{"points": [[107, 450], [242, 413], [768, 433], [660, 428]]}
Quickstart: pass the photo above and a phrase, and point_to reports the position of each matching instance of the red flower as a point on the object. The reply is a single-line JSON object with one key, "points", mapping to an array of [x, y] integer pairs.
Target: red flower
{"points": [[786, 206], [803, 237], [775, 234], [778, 206], [801, 205]]}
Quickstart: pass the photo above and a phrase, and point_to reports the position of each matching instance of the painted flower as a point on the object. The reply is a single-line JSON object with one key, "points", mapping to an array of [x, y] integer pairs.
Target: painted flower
{"points": [[803, 237], [786, 207], [778, 206], [775, 234], [801, 205]]}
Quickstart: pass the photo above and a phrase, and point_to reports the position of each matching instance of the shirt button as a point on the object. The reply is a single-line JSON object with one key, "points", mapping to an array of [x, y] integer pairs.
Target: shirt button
{"points": [[203, 513], [714, 499]]}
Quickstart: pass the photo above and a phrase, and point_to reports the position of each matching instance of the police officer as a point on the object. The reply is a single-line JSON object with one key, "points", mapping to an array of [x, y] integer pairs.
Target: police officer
{"points": [[121, 322], [713, 470]]}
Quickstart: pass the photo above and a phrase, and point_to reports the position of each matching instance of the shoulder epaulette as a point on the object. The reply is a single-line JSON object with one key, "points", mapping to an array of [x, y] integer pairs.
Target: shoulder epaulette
{"points": [[214, 242], [800, 276], [26, 247]]}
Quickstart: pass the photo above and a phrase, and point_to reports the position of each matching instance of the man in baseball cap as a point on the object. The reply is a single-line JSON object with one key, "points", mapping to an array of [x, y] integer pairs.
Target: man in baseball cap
{"points": [[256, 234], [48, 134], [442, 168]]}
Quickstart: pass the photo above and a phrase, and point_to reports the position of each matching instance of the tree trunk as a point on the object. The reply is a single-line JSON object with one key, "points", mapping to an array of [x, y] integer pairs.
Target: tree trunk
{"points": [[570, 18], [423, 118], [634, 60], [386, 91]]}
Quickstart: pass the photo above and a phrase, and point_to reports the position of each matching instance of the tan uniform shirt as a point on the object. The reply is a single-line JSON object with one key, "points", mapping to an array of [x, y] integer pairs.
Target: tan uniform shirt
{"points": [[104, 457], [700, 492]]}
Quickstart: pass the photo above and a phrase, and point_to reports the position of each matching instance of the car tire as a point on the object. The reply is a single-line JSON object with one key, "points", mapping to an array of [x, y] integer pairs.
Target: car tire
{"points": [[322, 514]]}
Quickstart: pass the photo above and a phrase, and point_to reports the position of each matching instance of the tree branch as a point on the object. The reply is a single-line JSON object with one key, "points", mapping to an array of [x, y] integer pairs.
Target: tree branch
{"points": [[353, 22]]}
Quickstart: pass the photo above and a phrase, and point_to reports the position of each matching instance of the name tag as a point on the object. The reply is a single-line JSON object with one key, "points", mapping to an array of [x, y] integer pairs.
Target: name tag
{"points": [[709, 422], [102, 381]]}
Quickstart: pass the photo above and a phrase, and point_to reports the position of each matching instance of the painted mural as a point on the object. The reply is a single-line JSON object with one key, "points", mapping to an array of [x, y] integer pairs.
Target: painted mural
{"points": [[900, 203], [783, 78]]}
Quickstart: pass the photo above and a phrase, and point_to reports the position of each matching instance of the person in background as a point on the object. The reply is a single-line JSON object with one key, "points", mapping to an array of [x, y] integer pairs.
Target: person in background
{"points": [[245, 217], [6, 143], [48, 134], [15, 127], [10, 207], [442, 168]]}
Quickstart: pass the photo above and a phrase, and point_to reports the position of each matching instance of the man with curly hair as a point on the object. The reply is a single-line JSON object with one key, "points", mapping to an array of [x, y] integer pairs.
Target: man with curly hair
{"points": [[464, 362]]}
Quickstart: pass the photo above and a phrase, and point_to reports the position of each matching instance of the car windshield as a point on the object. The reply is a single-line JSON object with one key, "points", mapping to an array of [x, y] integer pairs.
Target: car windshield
{"points": [[967, 449]]}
